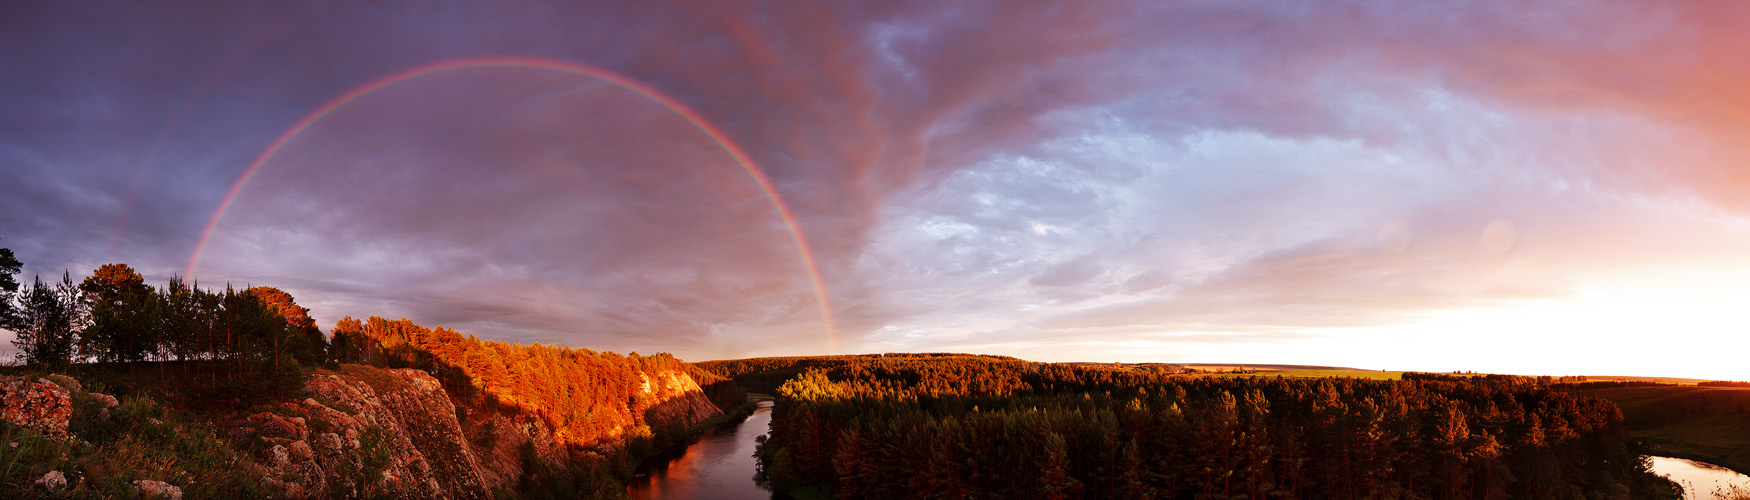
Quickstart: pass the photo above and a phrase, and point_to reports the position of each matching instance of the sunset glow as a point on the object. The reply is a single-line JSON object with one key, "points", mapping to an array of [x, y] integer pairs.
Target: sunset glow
{"points": [[1496, 187]]}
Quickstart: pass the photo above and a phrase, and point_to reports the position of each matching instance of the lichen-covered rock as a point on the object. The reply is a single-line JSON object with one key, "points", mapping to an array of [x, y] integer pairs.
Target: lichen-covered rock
{"points": [[269, 425], [106, 400], [52, 481], [64, 381], [300, 450], [296, 462], [147, 488], [41, 406], [329, 445], [428, 456], [277, 456]]}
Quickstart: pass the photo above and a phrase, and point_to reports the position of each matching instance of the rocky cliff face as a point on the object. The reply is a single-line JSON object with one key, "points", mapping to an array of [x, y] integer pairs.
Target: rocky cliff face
{"points": [[673, 397], [367, 431]]}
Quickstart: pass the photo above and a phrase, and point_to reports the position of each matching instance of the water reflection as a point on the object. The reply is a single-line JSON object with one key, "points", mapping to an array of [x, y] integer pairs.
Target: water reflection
{"points": [[1699, 479], [719, 465]]}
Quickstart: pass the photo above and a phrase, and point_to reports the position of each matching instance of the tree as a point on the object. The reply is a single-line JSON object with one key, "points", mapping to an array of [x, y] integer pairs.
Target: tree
{"points": [[187, 320], [47, 321], [113, 283], [303, 340], [9, 266], [126, 315], [1055, 481]]}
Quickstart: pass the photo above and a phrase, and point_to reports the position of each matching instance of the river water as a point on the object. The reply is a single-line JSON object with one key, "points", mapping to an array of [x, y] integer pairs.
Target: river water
{"points": [[718, 465], [1699, 479]]}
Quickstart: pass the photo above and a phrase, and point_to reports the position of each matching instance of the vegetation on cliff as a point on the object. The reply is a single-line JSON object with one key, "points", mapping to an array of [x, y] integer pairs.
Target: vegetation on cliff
{"points": [[391, 409]]}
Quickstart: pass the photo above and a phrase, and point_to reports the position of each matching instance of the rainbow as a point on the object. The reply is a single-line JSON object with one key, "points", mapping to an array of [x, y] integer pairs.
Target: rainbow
{"points": [[542, 65]]}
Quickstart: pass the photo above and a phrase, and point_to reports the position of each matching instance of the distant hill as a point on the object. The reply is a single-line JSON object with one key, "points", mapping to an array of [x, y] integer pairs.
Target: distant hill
{"points": [[1656, 380], [1249, 366]]}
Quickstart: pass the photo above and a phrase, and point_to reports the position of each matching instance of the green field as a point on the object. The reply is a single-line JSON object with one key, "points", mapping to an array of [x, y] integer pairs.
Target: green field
{"points": [[1710, 424]]}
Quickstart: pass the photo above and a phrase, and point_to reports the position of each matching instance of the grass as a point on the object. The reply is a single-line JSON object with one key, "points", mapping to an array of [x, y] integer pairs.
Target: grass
{"points": [[1710, 424], [140, 440]]}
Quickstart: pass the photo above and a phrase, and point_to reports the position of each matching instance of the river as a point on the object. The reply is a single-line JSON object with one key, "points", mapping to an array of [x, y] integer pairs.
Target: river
{"points": [[1699, 479], [718, 465]]}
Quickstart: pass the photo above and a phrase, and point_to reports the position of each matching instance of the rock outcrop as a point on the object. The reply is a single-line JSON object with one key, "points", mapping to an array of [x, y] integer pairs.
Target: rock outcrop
{"points": [[67, 382], [147, 488], [51, 482], [42, 406], [673, 398], [369, 432]]}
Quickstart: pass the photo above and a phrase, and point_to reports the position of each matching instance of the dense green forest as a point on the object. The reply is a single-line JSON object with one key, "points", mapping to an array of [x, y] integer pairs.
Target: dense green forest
{"points": [[947, 426]]}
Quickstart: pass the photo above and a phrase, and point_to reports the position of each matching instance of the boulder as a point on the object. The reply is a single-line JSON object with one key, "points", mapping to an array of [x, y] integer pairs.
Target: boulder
{"points": [[41, 406], [67, 382], [300, 450], [106, 400], [147, 488], [269, 425], [330, 444], [52, 481], [277, 457]]}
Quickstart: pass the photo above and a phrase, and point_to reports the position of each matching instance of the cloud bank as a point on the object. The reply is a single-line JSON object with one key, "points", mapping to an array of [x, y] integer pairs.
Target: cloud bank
{"points": [[1032, 178]]}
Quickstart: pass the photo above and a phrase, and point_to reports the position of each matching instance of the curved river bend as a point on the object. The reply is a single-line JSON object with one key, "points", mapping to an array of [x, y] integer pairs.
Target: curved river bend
{"points": [[1699, 479], [719, 465]]}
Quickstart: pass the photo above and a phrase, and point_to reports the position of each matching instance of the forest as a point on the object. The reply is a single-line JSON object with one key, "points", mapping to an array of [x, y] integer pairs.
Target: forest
{"points": [[230, 338], [963, 426]]}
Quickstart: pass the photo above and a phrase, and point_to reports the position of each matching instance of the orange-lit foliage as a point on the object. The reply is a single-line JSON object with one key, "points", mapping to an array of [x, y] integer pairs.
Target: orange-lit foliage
{"points": [[589, 398], [982, 427]]}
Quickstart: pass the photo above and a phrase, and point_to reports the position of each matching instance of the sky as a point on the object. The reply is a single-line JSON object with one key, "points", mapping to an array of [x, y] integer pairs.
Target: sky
{"points": [[1536, 188]]}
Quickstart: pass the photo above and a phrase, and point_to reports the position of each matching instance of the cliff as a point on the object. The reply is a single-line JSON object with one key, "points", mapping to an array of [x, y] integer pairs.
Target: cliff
{"points": [[366, 431]]}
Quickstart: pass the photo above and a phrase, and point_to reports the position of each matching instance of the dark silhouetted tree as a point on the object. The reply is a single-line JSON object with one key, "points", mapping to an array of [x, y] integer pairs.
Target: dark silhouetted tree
{"points": [[47, 322], [9, 266]]}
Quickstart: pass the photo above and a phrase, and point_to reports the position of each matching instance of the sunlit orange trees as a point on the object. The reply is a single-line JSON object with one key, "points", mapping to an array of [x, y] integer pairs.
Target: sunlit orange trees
{"points": [[591, 399]]}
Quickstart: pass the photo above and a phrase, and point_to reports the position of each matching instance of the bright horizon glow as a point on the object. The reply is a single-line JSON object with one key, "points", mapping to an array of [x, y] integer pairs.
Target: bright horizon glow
{"points": [[1680, 321]]}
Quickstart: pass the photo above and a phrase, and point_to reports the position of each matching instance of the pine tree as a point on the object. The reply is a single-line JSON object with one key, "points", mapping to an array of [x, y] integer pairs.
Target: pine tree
{"points": [[47, 322], [126, 315], [1055, 481], [9, 266]]}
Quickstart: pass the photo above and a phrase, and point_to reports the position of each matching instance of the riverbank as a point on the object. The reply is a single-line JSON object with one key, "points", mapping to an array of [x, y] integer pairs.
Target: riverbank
{"points": [[1700, 481]]}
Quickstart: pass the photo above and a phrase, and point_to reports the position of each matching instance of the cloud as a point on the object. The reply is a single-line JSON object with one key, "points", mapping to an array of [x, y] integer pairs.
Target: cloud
{"points": [[967, 172]]}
